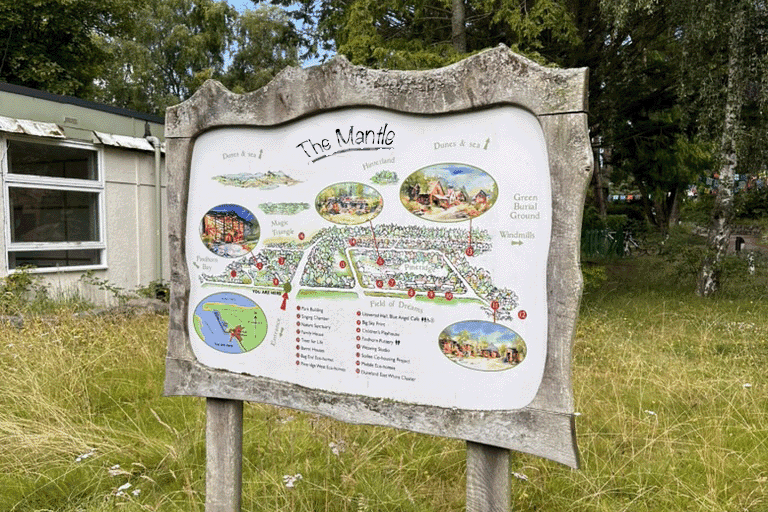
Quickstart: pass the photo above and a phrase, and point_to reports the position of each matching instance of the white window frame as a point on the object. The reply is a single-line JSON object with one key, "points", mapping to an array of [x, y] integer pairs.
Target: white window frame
{"points": [[96, 186]]}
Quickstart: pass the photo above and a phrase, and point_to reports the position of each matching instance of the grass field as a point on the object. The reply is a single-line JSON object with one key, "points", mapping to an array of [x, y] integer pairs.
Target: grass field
{"points": [[670, 391]]}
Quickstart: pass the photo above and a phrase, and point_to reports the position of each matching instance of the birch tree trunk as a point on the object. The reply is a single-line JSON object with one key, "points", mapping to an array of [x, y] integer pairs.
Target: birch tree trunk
{"points": [[722, 212]]}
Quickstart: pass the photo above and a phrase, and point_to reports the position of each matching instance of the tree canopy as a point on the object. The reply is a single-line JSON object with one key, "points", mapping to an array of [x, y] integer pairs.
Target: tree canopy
{"points": [[52, 45]]}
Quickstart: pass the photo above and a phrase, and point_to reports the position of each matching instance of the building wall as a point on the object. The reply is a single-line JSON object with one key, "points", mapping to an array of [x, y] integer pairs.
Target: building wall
{"points": [[129, 222]]}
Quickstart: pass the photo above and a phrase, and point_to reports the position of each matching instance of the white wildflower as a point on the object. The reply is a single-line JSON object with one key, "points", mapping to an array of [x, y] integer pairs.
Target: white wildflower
{"points": [[650, 413], [577, 414], [747, 385], [336, 448], [85, 455], [136, 492], [520, 476], [125, 486], [290, 480]]}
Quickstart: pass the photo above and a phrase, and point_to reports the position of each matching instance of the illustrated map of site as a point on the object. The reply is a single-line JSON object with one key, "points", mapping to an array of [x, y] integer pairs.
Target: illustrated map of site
{"points": [[373, 253]]}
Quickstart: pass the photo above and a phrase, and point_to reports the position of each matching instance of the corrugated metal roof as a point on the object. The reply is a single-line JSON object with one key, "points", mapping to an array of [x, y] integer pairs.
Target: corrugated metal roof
{"points": [[36, 128], [124, 141], [40, 129]]}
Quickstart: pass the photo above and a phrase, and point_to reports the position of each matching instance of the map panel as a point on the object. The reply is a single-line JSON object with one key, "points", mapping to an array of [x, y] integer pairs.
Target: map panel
{"points": [[376, 253]]}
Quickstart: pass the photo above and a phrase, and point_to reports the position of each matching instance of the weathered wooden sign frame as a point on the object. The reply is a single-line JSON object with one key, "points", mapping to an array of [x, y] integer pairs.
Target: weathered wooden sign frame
{"points": [[558, 99]]}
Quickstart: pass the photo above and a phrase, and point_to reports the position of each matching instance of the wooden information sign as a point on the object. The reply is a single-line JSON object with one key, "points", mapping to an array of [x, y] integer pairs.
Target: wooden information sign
{"points": [[384, 247]]}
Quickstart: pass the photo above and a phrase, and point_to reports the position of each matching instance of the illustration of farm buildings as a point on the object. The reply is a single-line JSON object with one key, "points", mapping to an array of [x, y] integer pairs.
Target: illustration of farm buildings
{"points": [[347, 204], [442, 196]]}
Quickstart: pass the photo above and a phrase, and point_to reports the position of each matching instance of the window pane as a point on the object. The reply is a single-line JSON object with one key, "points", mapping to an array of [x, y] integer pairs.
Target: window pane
{"points": [[45, 215], [51, 160], [48, 259]]}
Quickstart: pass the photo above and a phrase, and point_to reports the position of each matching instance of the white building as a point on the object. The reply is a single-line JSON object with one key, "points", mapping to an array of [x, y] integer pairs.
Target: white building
{"points": [[83, 188]]}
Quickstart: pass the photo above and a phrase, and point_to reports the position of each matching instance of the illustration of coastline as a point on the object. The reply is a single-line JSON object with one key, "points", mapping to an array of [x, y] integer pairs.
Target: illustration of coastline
{"points": [[230, 323], [263, 181]]}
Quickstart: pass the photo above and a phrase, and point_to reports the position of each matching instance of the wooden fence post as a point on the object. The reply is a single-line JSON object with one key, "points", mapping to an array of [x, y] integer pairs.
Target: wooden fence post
{"points": [[488, 486], [223, 455]]}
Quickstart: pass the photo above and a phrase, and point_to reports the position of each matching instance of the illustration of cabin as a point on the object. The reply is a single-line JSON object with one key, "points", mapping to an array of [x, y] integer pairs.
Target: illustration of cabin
{"points": [[481, 199], [224, 227], [491, 351], [438, 195], [347, 204], [513, 356]]}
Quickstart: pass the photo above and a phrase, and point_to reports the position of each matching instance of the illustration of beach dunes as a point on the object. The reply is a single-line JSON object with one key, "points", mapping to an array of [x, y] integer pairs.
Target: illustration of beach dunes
{"points": [[449, 192], [482, 345]]}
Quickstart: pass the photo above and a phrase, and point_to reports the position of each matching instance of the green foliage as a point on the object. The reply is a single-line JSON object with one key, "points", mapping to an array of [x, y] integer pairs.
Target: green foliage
{"points": [[417, 34], [19, 289], [50, 45], [172, 47], [89, 277], [594, 278], [698, 210], [23, 292], [266, 41], [751, 204], [158, 289]]}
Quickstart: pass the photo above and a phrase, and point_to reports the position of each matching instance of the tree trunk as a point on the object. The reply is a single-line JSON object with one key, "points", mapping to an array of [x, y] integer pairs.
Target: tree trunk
{"points": [[458, 26], [597, 181], [722, 212]]}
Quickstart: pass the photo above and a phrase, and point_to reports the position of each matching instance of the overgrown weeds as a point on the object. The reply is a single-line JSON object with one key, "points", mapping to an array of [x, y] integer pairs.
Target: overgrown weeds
{"points": [[670, 390]]}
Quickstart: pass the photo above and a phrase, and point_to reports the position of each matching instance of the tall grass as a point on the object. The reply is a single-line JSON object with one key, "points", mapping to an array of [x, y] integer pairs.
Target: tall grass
{"points": [[670, 388]]}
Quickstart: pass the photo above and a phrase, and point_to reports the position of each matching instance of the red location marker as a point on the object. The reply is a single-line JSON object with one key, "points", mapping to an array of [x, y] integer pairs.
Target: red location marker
{"points": [[470, 251], [298, 347], [233, 273], [275, 281], [391, 283], [301, 236], [359, 313], [448, 296], [379, 283], [411, 292], [297, 339], [352, 242], [259, 265], [431, 294], [281, 260], [522, 315], [494, 305], [358, 345], [380, 261], [285, 301], [343, 264], [357, 370], [358, 322], [297, 363], [358, 339]]}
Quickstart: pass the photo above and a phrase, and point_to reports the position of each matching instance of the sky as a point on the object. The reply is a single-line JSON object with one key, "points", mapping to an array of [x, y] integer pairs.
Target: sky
{"points": [[241, 5]]}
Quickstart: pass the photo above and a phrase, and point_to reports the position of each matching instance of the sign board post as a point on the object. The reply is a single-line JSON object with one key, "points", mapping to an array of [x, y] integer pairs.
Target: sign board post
{"points": [[384, 247]]}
